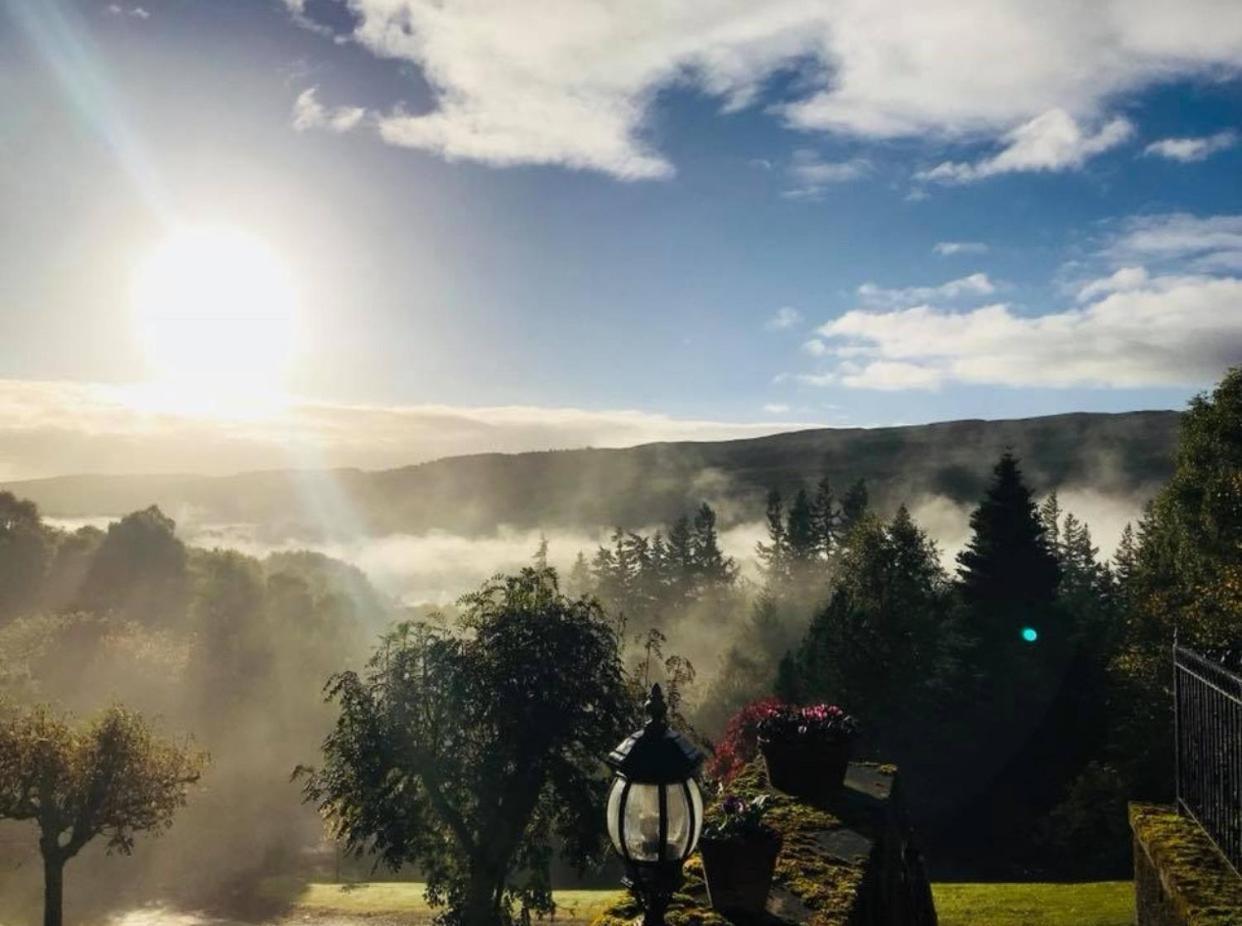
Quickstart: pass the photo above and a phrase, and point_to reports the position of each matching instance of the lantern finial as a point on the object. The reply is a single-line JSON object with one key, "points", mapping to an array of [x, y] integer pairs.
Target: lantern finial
{"points": [[656, 710]]}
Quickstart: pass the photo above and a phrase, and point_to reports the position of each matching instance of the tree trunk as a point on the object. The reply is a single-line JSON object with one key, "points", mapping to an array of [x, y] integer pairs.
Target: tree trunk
{"points": [[479, 906], [53, 889]]}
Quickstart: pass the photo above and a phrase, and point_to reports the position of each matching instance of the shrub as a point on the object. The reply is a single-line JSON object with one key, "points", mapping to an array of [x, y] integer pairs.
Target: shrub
{"points": [[740, 743]]}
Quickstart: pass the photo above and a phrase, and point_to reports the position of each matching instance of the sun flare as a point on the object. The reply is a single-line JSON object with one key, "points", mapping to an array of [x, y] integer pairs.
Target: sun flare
{"points": [[215, 312]]}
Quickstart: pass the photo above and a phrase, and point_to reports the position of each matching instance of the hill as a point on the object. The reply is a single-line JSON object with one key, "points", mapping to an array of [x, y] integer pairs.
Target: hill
{"points": [[637, 486]]}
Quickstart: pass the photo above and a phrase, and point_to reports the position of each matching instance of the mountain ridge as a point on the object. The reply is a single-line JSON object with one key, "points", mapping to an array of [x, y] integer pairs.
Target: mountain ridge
{"points": [[643, 484]]}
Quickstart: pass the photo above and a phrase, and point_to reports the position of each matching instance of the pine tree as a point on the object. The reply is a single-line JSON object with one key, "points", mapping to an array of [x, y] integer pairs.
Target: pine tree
{"points": [[800, 530], [540, 558], [681, 547], [854, 505], [580, 583], [825, 517], [711, 566], [774, 555], [1125, 559], [880, 646], [1050, 518], [1008, 568]]}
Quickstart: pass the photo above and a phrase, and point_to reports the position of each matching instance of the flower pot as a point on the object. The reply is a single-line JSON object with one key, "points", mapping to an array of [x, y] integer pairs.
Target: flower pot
{"points": [[811, 770], [738, 872]]}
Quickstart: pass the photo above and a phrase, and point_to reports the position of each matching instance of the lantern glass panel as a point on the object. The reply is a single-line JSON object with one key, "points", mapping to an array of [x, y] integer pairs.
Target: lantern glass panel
{"points": [[696, 800], [614, 811], [641, 827], [679, 823]]}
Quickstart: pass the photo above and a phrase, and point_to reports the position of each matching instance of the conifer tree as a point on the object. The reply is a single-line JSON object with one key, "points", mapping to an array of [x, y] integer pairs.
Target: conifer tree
{"points": [[774, 555], [800, 530], [710, 564], [681, 547], [854, 505], [825, 517], [1007, 573], [579, 583], [1050, 518]]}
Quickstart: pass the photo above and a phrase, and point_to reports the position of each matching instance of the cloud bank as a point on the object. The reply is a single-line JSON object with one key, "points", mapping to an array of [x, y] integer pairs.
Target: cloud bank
{"points": [[1164, 330], [51, 428], [573, 82]]}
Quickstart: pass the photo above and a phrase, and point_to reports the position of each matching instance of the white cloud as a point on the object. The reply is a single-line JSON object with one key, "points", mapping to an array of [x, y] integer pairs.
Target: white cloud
{"points": [[950, 248], [49, 428], [1169, 330], [309, 113], [138, 12], [976, 284], [572, 82], [1052, 141], [1213, 243], [812, 176], [815, 347], [786, 317], [776, 408], [1124, 280], [1192, 149]]}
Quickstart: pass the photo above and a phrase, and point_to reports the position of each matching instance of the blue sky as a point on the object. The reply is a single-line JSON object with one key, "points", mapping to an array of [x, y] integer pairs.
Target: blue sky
{"points": [[560, 223]]}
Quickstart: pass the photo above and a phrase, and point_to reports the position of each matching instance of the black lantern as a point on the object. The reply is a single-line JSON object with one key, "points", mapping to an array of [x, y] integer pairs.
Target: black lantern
{"points": [[655, 808]]}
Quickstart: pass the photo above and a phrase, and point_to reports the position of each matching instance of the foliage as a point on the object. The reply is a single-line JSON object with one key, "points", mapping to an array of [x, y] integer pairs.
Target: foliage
{"points": [[650, 580], [1087, 834], [467, 753], [230, 647], [888, 607], [738, 818], [140, 569], [824, 723], [110, 779], [1007, 568], [811, 534], [1183, 575], [739, 745], [25, 554]]}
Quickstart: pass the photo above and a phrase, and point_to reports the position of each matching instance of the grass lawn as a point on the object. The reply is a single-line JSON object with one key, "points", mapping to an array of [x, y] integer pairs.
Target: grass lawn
{"points": [[405, 900], [1105, 903], [1102, 903]]}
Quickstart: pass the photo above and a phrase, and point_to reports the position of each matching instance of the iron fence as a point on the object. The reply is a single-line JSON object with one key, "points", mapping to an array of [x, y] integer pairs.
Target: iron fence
{"points": [[1207, 724]]}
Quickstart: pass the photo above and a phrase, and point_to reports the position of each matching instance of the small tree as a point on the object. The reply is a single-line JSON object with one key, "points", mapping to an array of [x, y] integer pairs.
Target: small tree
{"points": [[466, 752], [111, 778]]}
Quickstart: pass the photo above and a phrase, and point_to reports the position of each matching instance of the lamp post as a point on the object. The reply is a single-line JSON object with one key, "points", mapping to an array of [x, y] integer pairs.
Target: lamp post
{"points": [[655, 808]]}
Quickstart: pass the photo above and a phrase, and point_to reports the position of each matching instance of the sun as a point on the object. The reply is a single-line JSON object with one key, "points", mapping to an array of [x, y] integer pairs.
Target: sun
{"points": [[215, 313]]}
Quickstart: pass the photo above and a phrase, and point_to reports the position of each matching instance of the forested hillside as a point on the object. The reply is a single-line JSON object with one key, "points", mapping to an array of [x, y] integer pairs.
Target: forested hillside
{"points": [[648, 484]]}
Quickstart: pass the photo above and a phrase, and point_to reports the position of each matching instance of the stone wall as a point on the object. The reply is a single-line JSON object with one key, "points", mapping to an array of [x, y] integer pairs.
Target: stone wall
{"points": [[1180, 878], [850, 862]]}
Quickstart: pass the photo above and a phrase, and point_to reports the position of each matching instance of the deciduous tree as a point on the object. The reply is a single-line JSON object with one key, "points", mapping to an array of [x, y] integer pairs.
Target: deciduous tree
{"points": [[466, 752], [110, 779]]}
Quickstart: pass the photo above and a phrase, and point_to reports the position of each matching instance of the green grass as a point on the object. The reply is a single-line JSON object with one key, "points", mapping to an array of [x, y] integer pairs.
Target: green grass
{"points": [[1105, 903], [405, 899], [1102, 903]]}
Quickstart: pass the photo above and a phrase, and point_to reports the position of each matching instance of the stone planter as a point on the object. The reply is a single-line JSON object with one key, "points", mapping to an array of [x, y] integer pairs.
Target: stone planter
{"points": [[739, 871], [813, 771]]}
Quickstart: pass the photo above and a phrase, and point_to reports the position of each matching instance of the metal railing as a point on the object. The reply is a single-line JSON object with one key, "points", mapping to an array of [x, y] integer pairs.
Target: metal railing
{"points": [[1207, 725]]}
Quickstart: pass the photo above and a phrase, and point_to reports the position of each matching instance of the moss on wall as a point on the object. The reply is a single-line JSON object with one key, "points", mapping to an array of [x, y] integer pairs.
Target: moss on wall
{"points": [[1180, 876]]}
